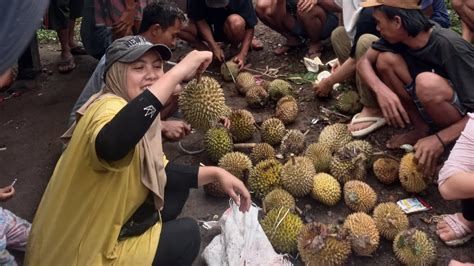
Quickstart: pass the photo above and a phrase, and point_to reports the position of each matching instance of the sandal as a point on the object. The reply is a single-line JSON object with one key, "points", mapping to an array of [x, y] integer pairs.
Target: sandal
{"points": [[78, 50], [461, 231], [377, 122], [66, 65]]}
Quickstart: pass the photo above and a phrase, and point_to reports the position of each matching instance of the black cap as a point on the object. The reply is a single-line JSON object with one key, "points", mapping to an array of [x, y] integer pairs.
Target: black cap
{"points": [[130, 48]]}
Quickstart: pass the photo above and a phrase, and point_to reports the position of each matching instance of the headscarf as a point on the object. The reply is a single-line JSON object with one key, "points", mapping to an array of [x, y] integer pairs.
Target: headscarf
{"points": [[153, 174]]}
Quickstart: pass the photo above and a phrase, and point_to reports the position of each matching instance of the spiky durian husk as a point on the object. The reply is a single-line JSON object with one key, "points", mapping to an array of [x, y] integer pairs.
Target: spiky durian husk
{"points": [[335, 136], [282, 228], [217, 142], [292, 142], [203, 103], [363, 146], [273, 131], [326, 189], [349, 102], [264, 177], [321, 244], [244, 81], [279, 88], [287, 110], [386, 170], [262, 151], [278, 198], [348, 164], [233, 67], [242, 125], [256, 97], [297, 176], [359, 196], [414, 247], [390, 219], [321, 156], [363, 233], [411, 178]]}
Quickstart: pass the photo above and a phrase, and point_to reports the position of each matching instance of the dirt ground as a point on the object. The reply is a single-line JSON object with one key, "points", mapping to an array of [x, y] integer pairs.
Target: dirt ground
{"points": [[31, 124]]}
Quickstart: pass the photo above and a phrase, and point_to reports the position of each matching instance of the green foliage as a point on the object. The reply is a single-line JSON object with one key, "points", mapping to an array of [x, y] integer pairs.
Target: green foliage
{"points": [[47, 36], [453, 16]]}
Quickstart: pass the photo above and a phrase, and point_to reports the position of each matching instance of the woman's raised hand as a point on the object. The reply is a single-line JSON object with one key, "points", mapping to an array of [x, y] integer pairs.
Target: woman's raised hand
{"points": [[194, 63]]}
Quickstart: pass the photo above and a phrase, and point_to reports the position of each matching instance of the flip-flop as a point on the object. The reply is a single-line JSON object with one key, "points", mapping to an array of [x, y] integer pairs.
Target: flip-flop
{"points": [[377, 122], [68, 65], [78, 50], [462, 232]]}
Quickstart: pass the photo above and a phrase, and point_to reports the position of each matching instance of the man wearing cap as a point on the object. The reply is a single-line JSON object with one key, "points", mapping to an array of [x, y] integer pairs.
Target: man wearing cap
{"points": [[225, 21], [161, 23], [421, 76]]}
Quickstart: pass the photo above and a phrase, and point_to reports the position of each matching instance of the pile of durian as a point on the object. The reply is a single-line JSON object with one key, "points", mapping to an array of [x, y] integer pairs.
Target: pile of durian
{"points": [[330, 169]]}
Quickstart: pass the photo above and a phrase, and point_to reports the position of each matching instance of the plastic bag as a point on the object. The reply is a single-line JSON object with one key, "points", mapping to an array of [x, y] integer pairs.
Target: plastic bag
{"points": [[242, 241]]}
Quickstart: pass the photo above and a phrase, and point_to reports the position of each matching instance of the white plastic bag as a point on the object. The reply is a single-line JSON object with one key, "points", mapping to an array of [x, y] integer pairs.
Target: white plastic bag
{"points": [[242, 241]]}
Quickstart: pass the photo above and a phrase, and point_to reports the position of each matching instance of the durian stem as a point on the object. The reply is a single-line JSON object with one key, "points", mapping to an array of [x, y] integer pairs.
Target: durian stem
{"points": [[324, 109], [263, 73], [239, 146], [384, 153], [293, 160], [306, 132]]}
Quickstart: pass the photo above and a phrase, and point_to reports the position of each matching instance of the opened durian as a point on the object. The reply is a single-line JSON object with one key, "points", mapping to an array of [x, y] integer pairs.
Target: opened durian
{"points": [[386, 170], [282, 228], [348, 164], [359, 196], [235, 163], [217, 143], [364, 235], [326, 189], [321, 244], [264, 177], [287, 110], [349, 102], [390, 219], [414, 247], [244, 81], [203, 103], [273, 131], [232, 69], [242, 125], [411, 178], [293, 142], [363, 146], [321, 156], [279, 88], [262, 151], [278, 198], [335, 136], [256, 97], [297, 176]]}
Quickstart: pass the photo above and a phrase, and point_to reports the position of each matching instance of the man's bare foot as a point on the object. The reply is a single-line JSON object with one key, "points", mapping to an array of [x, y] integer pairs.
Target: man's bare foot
{"points": [[458, 263], [257, 45], [315, 50], [366, 112], [291, 43], [446, 232], [410, 137]]}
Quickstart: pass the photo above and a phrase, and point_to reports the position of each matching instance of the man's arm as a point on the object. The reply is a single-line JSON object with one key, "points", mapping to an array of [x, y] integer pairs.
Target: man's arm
{"points": [[206, 33], [246, 42], [330, 5], [452, 133]]}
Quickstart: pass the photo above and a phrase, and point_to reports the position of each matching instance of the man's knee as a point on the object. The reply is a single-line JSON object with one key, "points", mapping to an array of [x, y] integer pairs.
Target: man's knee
{"points": [[446, 192], [263, 8], [364, 43], [338, 34], [316, 12], [430, 89], [387, 61], [235, 23]]}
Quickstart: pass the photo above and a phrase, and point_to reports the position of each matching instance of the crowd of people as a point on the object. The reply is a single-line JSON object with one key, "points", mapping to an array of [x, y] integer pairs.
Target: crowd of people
{"points": [[114, 198]]}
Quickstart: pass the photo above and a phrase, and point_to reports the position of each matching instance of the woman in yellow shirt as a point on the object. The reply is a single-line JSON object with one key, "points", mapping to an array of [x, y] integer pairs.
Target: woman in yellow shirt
{"points": [[113, 196]]}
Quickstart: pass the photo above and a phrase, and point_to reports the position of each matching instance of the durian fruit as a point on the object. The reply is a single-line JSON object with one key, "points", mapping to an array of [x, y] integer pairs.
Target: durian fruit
{"points": [[359, 196], [264, 177], [321, 244], [242, 125], [363, 233], [349, 102], [414, 247], [412, 180], [386, 170], [390, 219], [256, 97], [217, 142], [297, 176], [293, 142], [203, 103], [278, 198], [335, 136], [266, 84], [279, 88], [272, 131], [262, 151], [348, 164], [244, 81], [232, 67], [321, 156], [326, 189], [235, 163], [282, 228], [362, 145], [286, 109]]}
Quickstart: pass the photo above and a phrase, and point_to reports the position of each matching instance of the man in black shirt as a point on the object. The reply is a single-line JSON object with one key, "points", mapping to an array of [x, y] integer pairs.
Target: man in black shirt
{"points": [[423, 76], [227, 21]]}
